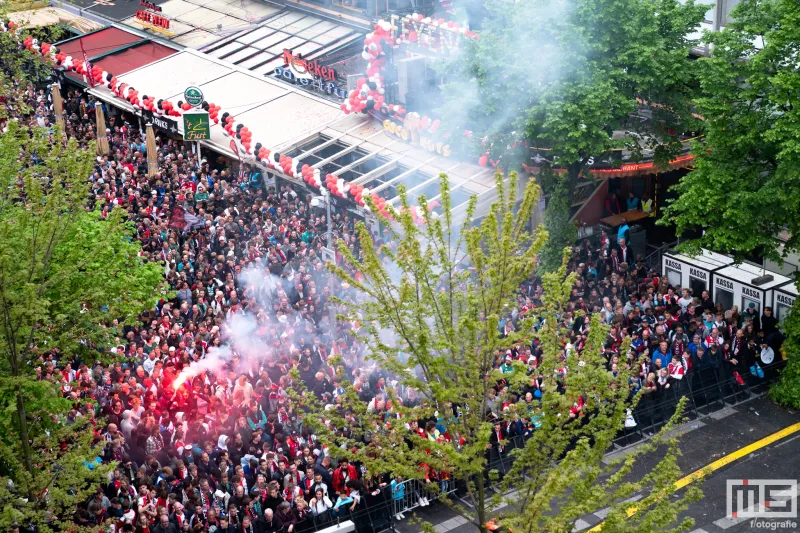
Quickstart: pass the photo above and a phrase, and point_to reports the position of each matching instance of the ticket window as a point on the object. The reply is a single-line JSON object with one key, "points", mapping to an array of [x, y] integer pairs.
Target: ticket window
{"points": [[782, 311], [673, 277], [698, 286], [724, 297], [746, 303]]}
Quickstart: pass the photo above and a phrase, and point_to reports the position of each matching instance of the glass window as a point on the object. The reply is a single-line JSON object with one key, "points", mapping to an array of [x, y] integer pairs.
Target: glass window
{"points": [[459, 197], [782, 311], [313, 143], [429, 191], [697, 287], [746, 303], [724, 297], [674, 277]]}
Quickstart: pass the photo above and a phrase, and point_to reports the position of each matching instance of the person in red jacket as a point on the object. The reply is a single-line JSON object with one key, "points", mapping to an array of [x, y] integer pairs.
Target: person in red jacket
{"points": [[343, 473]]}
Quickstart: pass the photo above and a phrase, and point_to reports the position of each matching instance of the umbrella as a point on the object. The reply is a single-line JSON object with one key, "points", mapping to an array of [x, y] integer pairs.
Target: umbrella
{"points": [[58, 106], [102, 138], [152, 154]]}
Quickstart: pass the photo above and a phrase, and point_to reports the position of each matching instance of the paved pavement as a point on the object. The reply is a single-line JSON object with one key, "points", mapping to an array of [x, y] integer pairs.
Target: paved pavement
{"points": [[704, 442]]}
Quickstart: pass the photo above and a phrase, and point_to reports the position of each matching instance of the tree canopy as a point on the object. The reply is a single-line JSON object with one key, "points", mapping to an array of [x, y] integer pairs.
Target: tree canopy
{"points": [[565, 75], [744, 190], [70, 278], [436, 309]]}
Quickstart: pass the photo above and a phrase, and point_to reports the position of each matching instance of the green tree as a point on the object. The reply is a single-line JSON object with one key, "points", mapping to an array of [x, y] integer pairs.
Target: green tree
{"points": [[561, 232], [571, 78], [21, 65], [436, 307], [68, 277], [744, 189]]}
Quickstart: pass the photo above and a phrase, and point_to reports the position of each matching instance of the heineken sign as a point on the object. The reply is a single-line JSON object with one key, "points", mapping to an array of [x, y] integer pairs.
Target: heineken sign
{"points": [[196, 126], [193, 96]]}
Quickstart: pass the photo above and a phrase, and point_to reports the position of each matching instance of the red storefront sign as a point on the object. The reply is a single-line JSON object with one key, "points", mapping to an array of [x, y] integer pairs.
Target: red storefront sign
{"points": [[152, 18], [636, 166], [312, 68]]}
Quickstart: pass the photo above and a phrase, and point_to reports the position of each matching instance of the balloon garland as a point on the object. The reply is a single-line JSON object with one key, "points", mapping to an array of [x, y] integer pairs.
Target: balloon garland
{"points": [[252, 152], [369, 92]]}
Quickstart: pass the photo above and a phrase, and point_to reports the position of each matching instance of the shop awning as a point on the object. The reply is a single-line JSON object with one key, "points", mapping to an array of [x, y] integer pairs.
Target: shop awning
{"points": [[98, 43], [115, 50], [357, 149], [115, 10], [133, 57]]}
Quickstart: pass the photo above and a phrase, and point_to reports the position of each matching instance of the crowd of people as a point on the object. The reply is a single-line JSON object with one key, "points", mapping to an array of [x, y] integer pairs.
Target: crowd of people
{"points": [[226, 451]]}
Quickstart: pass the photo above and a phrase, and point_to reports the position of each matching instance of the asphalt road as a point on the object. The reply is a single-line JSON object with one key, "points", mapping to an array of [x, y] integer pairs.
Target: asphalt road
{"points": [[705, 441]]}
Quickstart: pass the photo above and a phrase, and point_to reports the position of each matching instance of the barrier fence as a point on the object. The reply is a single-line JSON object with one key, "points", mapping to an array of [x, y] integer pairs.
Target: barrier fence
{"points": [[706, 391]]}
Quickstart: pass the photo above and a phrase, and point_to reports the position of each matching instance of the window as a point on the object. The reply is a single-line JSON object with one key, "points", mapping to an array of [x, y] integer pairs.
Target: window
{"points": [[782, 311], [459, 197], [724, 297], [747, 301], [674, 277], [313, 143], [697, 287]]}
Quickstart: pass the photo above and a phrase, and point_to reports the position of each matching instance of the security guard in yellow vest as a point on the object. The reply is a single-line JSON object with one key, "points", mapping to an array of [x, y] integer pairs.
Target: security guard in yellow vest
{"points": [[647, 204]]}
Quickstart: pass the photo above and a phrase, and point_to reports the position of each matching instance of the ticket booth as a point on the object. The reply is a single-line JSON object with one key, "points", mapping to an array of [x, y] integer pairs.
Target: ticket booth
{"points": [[693, 272], [783, 299], [744, 284]]}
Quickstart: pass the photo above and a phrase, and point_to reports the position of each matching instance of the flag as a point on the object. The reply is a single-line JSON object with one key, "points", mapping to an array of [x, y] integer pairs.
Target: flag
{"points": [[181, 219]]}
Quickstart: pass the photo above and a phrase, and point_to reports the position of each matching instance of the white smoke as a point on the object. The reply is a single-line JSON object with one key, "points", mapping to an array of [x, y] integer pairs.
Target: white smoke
{"points": [[242, 332]]}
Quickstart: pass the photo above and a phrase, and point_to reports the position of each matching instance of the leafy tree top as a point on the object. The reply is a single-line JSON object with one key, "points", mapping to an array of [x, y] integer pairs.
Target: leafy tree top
{"points": [[566, 75], [744, 191]]}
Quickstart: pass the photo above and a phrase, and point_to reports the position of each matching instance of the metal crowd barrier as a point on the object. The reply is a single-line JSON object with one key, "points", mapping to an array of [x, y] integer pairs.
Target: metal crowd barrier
{"points": [[706, 391]]}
